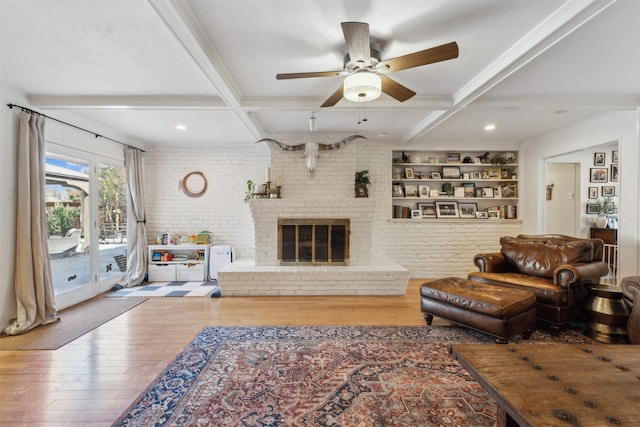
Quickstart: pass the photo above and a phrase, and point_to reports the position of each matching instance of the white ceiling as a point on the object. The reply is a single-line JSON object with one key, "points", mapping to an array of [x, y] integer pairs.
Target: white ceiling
{"points": [[142, 67]]}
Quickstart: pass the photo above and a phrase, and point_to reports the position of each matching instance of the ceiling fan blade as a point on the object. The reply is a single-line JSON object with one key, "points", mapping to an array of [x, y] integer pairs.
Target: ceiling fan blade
{"points": [[286, 76], [395, 89], [356, 34], [333, 99], [423, 57]]}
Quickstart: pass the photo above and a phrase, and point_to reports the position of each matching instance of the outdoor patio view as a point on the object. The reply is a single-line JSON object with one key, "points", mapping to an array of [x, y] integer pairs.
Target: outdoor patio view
{"points": [[69, 213]]}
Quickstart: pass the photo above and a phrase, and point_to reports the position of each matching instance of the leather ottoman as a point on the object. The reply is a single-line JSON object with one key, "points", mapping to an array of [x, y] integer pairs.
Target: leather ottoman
{"points": [[501, 312]]}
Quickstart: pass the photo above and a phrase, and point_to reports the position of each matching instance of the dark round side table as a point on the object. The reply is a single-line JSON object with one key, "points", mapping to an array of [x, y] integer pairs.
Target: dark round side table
{"points": [[607, 314]]}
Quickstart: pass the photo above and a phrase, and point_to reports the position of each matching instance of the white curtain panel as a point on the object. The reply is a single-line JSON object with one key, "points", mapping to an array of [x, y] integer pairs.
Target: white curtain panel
{"points": [[136, 230], [33, 284]]}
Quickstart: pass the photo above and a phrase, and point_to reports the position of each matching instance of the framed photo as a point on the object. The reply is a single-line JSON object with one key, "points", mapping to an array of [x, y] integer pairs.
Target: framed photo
{"points": [[476, 175], [593, 192], [447, 210], [469, 189], [592, 208], [398, 191], [599, 174], [415, 213], [608, 191], [458, 191], [466, 176], [493, 213], [508, 189], [411, 190], [435, 175], [427, 210], [479, 191], [490, 174], [423, 190], [598, 159], [505, 174], [467, 210], [615, 173], [453, 157], [434, 192], [614, 156], [482, 214], [487, 192], [408, 173], [450, 172]]}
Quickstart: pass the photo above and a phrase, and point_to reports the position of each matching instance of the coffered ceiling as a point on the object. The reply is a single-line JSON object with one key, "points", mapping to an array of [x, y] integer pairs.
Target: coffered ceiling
{"points": [[144, 66]]}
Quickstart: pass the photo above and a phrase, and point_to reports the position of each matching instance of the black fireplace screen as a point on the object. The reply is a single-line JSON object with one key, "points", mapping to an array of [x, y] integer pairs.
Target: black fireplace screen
{"points": [[313, 241]]}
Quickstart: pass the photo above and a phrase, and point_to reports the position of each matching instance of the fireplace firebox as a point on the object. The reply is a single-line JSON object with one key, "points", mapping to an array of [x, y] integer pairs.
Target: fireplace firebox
{"points": [[308, 241]]}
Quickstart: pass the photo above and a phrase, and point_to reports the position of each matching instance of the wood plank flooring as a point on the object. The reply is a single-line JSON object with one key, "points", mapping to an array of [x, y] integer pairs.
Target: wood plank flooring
{"points": [[92, 380]]}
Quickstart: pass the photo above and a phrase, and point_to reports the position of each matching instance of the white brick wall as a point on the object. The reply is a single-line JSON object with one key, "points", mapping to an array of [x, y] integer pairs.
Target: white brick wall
{"points": [[427, 248]]}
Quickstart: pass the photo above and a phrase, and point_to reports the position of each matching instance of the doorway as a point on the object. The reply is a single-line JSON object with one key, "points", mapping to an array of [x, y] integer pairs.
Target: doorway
{"points": [[86, 207], [562, 186]]}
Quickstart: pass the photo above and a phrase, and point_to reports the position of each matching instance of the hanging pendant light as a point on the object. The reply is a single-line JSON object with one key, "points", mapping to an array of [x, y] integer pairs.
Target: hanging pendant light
{"points": [[363, 86]]}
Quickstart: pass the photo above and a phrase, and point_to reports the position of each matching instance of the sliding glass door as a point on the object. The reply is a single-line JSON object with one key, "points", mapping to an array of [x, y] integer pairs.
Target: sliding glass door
{"points": [[85, 204]]}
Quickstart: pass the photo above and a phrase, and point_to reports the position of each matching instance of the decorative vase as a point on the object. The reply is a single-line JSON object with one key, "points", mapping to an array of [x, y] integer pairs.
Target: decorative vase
{"points": [[601, 221]]}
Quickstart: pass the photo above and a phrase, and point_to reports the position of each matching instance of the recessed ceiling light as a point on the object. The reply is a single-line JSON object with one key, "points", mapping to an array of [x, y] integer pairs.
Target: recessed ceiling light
{"points": [[181, 127], [490, 127]]}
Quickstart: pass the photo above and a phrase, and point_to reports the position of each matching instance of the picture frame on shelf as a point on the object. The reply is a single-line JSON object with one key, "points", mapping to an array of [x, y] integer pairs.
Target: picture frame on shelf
{"points": [[408, 173], [450, 172], [599, 175], [615, 173], [427, 210], [466, 176], [488, 192], [493, 213], [482, 214], [415, 213], [435, 175], [490, 174], [608, 191], [411, 190], [505, 174], [469, 189], [398, 190], [434, 192], [447, 210], [509, 190], [423, 190], [467, 210], [614, 156], [479, 191], [592, 193], [453, 157], [599, 159], [458, 192], [476, 175]]}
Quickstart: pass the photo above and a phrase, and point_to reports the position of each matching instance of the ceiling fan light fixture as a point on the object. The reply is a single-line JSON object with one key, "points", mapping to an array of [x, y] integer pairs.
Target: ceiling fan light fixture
{"points": [[363, 86]]}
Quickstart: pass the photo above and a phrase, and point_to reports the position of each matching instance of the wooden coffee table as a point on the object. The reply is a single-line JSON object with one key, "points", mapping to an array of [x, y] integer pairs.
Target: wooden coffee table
{"points": [[558, 384]]}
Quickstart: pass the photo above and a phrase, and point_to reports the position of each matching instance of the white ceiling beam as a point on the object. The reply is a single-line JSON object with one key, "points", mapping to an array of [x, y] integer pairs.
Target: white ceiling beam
{"points": [[116, 102], [181, 21], [570, 16]]}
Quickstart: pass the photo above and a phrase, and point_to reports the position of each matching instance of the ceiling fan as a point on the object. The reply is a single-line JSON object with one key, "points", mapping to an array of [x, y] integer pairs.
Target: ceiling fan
{"points": [[366, 73]]}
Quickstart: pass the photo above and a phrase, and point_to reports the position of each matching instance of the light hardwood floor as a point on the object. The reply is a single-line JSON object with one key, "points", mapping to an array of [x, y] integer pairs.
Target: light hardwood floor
{"points": [[92, 380]]}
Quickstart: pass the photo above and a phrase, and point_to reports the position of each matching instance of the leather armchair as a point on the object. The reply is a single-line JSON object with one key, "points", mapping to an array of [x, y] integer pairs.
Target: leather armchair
{"points": [[553, 267], [631, 289]]}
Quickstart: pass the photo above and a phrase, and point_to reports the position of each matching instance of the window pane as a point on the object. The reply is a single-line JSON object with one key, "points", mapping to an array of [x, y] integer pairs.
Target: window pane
{"points": [[112, 221]]}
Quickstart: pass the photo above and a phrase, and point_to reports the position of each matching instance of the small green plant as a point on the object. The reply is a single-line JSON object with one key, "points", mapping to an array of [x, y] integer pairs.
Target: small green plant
{"points": [[251, 186], [498, 160], [362, 177], [605, 206]]}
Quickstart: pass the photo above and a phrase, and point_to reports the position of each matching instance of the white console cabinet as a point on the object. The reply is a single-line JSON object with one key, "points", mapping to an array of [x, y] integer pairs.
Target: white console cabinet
{"points": [[183, 263]]}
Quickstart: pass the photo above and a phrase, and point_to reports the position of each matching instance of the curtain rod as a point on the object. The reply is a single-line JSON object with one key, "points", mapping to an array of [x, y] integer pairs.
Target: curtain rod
{"points": [[29, 110]]}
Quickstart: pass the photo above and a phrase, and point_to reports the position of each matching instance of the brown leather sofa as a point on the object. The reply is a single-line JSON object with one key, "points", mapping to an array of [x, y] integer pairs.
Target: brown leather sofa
{"points": [[553, 267], [631, 289]]}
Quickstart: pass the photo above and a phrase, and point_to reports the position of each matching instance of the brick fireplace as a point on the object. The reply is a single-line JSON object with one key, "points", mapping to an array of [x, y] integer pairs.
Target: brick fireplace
{"points": [[328, 195]]}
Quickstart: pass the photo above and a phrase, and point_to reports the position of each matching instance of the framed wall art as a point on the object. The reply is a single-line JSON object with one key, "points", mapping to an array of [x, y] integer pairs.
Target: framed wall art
{"points": [[467, 210], [608, 191], [599, 175], [427, 210], [593, 192], [614, 156], [598, 159], [615, 173]]}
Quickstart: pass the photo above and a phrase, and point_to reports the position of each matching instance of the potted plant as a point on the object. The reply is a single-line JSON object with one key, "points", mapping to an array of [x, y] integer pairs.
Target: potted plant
{"points": [[362, 181], [249, 191], [603, 208]]}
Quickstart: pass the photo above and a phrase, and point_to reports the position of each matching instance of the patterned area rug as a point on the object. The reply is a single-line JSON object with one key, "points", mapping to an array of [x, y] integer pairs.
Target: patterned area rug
{"points": [[170, 289], [321, 376]]}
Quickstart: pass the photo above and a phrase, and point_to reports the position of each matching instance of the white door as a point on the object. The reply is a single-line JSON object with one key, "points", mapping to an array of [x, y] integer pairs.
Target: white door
{"points": [[562, 196]]}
